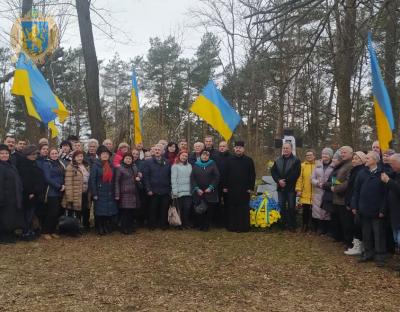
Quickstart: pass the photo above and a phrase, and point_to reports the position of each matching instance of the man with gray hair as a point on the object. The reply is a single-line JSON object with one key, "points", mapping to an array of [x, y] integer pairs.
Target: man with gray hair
{"points": [[341, 215], [91, 154], [393, 202], [285, 172], [368, 202], [198, 147]]}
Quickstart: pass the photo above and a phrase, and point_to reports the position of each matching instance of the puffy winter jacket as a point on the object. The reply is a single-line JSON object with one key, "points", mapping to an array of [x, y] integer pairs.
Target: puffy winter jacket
{"points": [[180, 180]]}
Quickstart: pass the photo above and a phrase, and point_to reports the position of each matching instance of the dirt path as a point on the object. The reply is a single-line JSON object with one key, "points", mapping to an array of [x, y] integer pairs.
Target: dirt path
{"points": [[191, 271]]}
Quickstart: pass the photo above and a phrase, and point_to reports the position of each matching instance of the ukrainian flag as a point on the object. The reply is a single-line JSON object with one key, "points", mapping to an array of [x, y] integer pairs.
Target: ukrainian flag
{"points": [[40, 101], [216, 111], [135, 109], [383, 108]]}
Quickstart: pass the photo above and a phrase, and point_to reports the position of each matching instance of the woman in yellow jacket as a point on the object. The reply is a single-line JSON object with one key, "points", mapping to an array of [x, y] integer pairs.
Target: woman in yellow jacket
{"points": [[304, 188]]}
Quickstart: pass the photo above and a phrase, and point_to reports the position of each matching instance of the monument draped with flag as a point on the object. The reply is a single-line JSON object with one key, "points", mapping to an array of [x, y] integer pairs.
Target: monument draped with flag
{"points": [[41, 102], [216, 111], [383, 108], [135, 109]]}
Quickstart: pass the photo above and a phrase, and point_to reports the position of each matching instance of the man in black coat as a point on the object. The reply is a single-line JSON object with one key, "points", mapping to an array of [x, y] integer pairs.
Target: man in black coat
{"points": [[15, 157], [369, 202], [239, 180], [221, 159], [209, 146], [285, 172], [157, 181], [393, 201]]}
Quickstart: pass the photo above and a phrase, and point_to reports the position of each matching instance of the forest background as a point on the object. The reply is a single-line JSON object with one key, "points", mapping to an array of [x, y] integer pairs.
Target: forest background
{"points": [[297, 64]]}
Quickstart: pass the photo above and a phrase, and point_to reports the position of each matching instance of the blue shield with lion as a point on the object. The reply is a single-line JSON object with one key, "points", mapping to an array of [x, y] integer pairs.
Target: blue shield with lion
{"points": [[35, 36]]}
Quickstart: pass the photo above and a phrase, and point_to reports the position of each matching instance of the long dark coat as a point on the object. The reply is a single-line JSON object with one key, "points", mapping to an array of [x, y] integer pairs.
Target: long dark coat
{"points": [[240, 176], [393, 201], [125, 187], [105, 205], [10, 197], [33, 180], [205, 175]]}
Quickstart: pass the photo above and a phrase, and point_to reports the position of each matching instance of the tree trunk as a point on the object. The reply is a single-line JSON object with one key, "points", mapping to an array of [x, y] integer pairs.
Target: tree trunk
{"points": [[390, 56], [345, 69], [92, 70]]}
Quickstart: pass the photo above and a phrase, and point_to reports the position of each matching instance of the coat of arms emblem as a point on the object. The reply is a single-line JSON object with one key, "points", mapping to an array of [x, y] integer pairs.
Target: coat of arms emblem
{"points": [[36, 35]]}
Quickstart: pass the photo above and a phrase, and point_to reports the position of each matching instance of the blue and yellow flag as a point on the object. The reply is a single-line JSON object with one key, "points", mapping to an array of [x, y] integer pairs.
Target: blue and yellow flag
{"points": [[41, 102], [216, 111], [383, 108], [135, 109]]}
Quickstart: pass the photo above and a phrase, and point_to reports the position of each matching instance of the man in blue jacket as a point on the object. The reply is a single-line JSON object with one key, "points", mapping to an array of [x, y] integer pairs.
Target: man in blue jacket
{"points": [[368, 201], [157, 181]]}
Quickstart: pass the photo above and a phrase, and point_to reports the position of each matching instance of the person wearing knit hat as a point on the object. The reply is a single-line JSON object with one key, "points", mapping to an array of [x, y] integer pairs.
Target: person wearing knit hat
{"points": [[10, 192], [362, 156], [4, 147], [328, 151], [358, 163], [30, 150]]}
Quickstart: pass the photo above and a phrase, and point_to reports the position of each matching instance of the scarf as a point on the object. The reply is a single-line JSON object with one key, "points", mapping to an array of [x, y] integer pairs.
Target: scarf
{"points": [[107, 172]]}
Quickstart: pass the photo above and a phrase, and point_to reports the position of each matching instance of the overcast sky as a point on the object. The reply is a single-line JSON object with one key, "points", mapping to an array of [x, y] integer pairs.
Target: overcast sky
{"points": [[134, 21]]}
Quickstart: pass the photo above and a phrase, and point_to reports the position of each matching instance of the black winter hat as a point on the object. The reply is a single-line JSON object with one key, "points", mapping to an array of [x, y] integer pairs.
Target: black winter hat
{"points": [[4, 147], [239, 143], [66, 142], [102, 149], [29, 150]]}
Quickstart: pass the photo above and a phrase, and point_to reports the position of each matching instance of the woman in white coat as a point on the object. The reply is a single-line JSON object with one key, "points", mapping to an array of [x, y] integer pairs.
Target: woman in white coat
{"points": [[319, 177]]}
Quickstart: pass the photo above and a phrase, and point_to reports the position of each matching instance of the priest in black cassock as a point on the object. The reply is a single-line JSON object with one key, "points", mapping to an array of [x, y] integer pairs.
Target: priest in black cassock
{"points": [[238, 183]]}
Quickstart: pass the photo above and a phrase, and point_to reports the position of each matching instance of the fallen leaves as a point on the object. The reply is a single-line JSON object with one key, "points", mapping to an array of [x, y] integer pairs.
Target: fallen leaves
{"points": [[191, 271]]}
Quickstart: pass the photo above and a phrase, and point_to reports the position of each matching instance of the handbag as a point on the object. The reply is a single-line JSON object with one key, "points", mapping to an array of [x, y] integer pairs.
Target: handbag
{"points": [[201, 207], [174, 218], [69, 225]]}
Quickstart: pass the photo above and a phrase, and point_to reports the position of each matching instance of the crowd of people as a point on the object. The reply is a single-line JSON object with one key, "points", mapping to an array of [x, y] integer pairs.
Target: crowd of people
{"points": [[130, 187], [353, 197]]}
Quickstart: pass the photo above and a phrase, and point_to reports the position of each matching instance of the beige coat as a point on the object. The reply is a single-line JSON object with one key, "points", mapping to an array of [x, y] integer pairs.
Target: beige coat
{"points": [[73, 188]]}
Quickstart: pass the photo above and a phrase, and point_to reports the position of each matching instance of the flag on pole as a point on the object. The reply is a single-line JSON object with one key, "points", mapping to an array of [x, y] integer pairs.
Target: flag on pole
{"points": [[135, 109], [216, 111], [382, 106], [41, 102]]}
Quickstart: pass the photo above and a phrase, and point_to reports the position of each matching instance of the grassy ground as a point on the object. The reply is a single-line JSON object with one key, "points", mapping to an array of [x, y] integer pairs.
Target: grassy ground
{"points": [[191, 271]]}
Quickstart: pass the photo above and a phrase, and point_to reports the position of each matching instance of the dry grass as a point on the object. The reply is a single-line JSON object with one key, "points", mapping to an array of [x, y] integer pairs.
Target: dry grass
{"points": [[191, 271]]}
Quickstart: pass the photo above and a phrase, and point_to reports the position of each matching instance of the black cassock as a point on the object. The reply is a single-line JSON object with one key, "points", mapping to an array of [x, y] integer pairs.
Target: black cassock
{"points": [[240, 177]]}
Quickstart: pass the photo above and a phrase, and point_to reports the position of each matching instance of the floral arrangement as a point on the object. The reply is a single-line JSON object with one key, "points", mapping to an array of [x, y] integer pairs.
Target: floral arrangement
{"points": [[264, 211]]}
